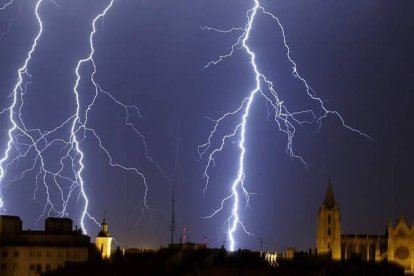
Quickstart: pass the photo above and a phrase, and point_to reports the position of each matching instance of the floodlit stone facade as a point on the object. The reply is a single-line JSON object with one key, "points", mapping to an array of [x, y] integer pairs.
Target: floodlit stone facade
{"points": [[103, 241], [396, 245], [328, 233]]}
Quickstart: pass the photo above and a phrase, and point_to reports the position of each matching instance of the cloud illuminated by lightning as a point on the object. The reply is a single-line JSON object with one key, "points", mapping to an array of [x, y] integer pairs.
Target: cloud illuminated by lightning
{"points": [[65, 140], [285, 120]]}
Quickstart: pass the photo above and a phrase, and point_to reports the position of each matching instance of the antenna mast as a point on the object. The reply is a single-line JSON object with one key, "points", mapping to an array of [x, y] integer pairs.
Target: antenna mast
{"points": [[177, 145], [172, 228]]}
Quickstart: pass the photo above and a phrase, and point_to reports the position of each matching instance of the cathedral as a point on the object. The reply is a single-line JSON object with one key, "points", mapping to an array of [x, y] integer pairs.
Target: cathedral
{"points": [[395, 245]]}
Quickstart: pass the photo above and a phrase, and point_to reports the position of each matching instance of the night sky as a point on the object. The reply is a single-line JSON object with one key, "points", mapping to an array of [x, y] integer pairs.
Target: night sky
{"points": [[357, 55]]}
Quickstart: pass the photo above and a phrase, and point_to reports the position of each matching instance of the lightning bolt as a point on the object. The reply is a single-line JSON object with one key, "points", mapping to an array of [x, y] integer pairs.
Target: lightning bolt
{"points": [[17, 102], [4, 6], [65, 176], [80, 125], [77, 122], [285, 120]]}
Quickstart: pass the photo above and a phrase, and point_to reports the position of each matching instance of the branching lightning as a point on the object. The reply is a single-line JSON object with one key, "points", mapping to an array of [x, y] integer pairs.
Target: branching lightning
{"points": [[65, 140], [285, 120], [3, 7], [17, 102], [6, 4]]}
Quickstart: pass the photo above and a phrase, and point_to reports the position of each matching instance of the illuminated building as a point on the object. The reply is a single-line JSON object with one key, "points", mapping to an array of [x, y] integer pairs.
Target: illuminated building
{"points": [[103, 241], [396, 245], [29, 253], [328, 233]]}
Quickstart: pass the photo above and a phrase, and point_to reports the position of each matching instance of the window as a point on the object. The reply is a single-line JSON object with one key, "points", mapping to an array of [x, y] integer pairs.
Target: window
{"points": [[329, 218], [16, 253], [3, 266], [39, 267], [402, 252], [329, 246], [329, 231], [401, 232], [48, 267], [32, 267]]}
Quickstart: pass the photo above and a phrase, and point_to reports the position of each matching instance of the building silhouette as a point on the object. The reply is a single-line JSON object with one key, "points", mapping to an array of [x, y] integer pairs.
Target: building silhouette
{"points": [[396, 245], [29, 253]]}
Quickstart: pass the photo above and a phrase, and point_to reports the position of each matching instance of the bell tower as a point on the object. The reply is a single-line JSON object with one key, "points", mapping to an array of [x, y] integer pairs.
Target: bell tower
{"points": [[328, 233], [103, 241]]}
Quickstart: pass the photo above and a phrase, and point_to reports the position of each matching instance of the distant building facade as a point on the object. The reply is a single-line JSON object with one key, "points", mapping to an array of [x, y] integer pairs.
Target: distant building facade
{"points": [[396, 245], [29, 253]]}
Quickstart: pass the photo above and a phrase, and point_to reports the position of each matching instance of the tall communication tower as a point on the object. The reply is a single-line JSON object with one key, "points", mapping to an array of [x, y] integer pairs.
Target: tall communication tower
{"points": [[177, 147], [172, 227]]}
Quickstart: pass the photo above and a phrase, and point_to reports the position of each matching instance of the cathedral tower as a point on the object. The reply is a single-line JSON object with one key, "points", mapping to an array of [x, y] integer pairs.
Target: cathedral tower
{"points": [[103, 241], [328, 233]]}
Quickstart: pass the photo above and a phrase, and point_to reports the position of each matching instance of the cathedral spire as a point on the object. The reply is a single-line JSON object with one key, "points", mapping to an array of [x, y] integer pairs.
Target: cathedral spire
{"points": [[328, 233], [329, 197], [402, 220]]}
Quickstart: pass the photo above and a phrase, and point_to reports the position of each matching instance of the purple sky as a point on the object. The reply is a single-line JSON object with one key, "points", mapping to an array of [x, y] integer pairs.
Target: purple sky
{"points": [[358, 57]]}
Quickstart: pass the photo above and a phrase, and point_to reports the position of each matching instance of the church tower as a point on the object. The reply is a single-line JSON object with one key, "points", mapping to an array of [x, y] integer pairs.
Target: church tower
{"points": [[103, 241], [328, 233]]}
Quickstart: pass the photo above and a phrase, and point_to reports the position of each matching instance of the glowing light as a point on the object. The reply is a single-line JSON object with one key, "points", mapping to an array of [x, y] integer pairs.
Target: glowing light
{"points": [[284, 119]]}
